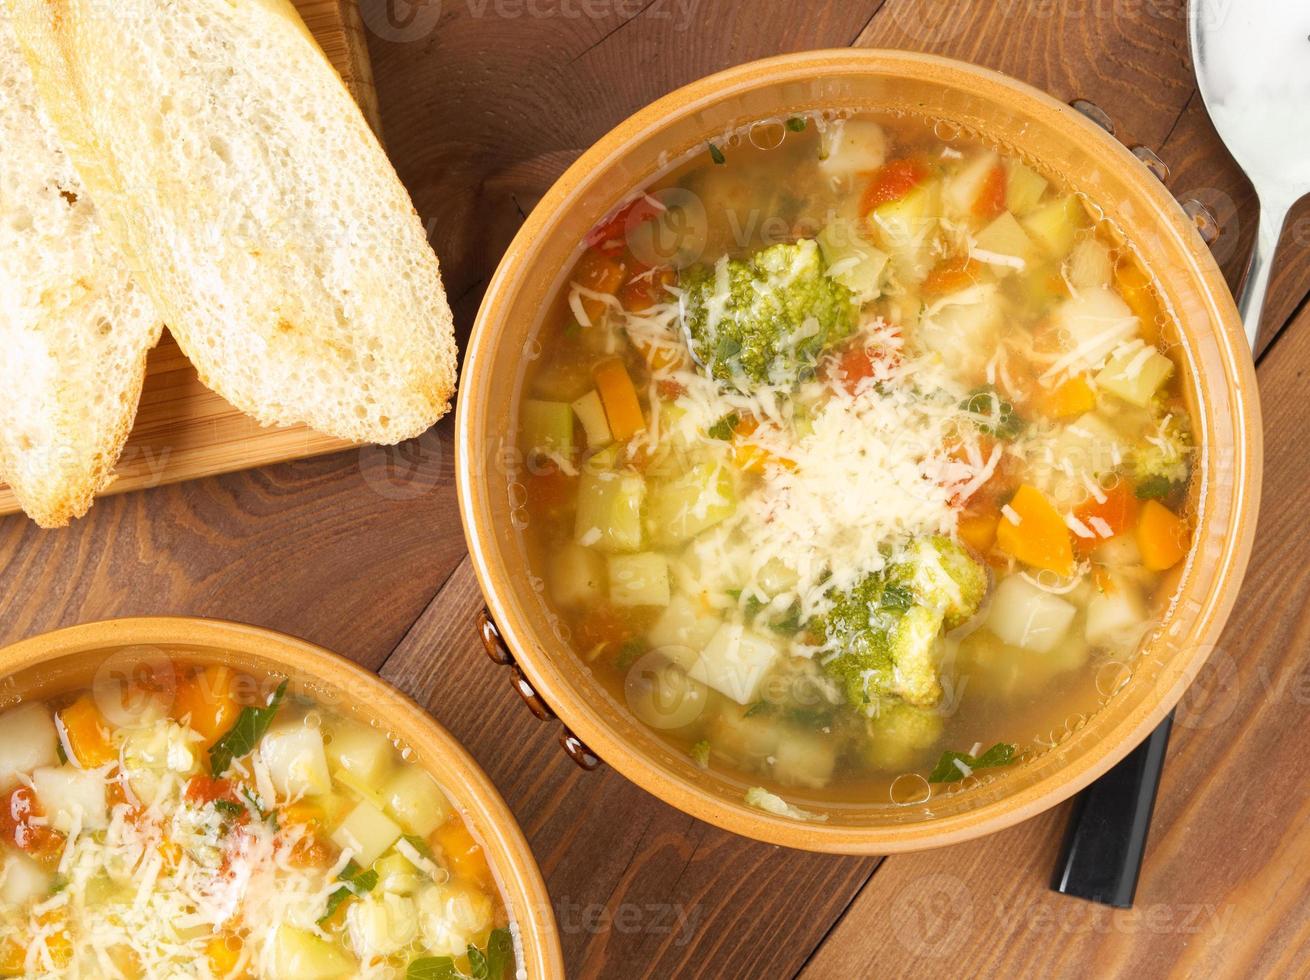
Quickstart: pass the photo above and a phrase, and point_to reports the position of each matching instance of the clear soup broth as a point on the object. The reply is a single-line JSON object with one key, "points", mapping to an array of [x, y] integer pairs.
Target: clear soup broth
{"points": [[856, 458]]}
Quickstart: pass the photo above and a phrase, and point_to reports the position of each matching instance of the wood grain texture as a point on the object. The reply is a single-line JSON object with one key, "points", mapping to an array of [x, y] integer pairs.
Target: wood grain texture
{"points": [[484, 105], [183, 430]]}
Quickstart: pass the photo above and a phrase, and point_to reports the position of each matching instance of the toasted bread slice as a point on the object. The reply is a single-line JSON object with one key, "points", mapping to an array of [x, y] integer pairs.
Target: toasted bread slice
{"points": [[74, 326], [260, 211]]}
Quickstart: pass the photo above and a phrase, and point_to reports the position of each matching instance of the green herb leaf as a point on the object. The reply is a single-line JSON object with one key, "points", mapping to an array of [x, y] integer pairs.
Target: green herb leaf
{"points": [[228, 808], [357, 882], [797, 124], [500, 955], [57, 884], [946, 771], [987, 402], [700, 753], [433, 968], [724, 427], [628, 654], [61, 752], [716, 154], [419, 844], [478, 963], [251, 726], [1155, 488]]}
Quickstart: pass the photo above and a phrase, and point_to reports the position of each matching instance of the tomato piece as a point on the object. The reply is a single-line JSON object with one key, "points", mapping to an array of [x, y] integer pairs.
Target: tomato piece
{"points": [[953, 275], [201, 790], [670, 389], [991, 197], [643, 291], [1107, 518], [610, 236], [891, 182], [20, 826]]}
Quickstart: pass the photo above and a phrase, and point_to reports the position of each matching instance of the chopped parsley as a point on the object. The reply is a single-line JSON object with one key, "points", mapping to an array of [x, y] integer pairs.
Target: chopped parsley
{"points": [[724, 427], [241, 740], [797, 124], [947, 771], [716, 154]]}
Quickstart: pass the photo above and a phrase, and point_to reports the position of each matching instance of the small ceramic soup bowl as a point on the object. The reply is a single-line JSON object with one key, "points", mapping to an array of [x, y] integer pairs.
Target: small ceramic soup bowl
{"points": [[106, 655], [1219, 385]]}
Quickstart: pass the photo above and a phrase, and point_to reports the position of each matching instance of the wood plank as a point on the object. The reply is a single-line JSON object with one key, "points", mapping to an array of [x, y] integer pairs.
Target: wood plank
{"points": [[1227, 871], [183, 430], [639, 888]]}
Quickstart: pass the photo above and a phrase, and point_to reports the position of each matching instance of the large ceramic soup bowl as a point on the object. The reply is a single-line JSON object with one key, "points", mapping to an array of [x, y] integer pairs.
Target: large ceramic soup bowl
{"points": [[171, 759], [628, 425]]}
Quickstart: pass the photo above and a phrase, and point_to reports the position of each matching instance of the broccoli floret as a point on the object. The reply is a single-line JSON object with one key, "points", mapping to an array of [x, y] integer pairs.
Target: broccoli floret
{"points": [[1162, 463], [884, 643], [767, 318], [944, 576], [898, 735]]}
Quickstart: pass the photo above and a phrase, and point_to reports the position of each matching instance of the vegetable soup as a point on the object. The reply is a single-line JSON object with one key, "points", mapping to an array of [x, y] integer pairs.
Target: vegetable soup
{"points": [[207, 823], [856, 458]]}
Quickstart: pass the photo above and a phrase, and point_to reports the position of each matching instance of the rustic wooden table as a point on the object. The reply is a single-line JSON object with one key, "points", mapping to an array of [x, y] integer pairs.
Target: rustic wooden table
{"points": [[484, 103]]}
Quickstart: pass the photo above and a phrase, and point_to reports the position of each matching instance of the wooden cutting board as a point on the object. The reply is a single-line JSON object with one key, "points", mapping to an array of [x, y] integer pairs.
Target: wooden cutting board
{"points": [[183, 430]]}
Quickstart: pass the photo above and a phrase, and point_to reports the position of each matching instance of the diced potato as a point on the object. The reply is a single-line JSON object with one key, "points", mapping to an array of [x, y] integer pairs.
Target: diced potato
{"points": [[1090, 264], [397, 875], [360, 750], [852, 146], [1024, 187], [1135, 375], [1088, 445], [802, 759], [22, 880], [1025, 616], [906, 228], [381, 924], [64, 792], [665, 697], [681, 508], [962, 189], [148, 753], [1116, 618], [683, 630], [746, 741], [639, 580], [1055, 225], [735, 661], [962, 327], [28, 741], [575, 575], [416, 801], [591, 413], [548, 426], [609, 510], [367, 833], [296, 760], [1119, 552], [851, 260], [1094, 322], [300, 955], [1004, 237], [451, 916]]}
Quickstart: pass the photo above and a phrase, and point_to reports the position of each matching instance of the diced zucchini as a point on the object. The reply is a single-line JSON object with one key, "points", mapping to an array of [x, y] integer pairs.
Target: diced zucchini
{"points": [[1135, 375], [64, 792], [576, 575], [735, 661], [360, 750], [1024, 187], [415, 801], [664, 697], [962, 189], [28, 741], [591, 413], [300, 955], [1055, 225], [802, 759], [367, 833], [1025, 616], [851, 260], [683, 630], [548, 427], [609, 510], [639, 580], [1090, 264], [681, 508], [1005, 236], [296, 760], [1116, 618], [22, 880], [852, 146]]}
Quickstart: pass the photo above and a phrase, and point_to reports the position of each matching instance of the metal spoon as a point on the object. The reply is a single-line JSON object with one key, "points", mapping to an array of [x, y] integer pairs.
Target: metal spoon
{"points": [[1252, 61]]}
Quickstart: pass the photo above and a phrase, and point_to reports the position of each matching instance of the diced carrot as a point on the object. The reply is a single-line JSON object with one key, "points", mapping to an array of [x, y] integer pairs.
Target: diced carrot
{"points": [[1041, 538], [311, 851], [952, 275], [1117, 512], [208, 699], [1071, 398], [610, 236], [464, 856], [1162, 536], [643, 291], [619, 398], [224, 953], [22, 826], [891, 182], [599, 273], [13, 958], [86, 733], [1135, 288], [978, 531], [203, 789], [750, 457], [58, 943], [991, 197]]}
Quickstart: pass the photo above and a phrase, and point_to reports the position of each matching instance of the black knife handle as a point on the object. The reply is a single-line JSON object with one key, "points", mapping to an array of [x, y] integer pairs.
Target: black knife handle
{"points": [[1106, 838]]}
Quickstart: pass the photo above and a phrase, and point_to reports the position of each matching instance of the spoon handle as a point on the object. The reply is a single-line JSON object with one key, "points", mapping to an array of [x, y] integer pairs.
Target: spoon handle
{"points": [[1251, 299]]}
